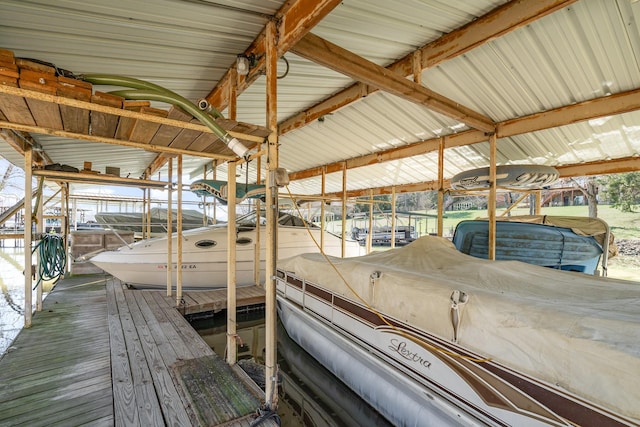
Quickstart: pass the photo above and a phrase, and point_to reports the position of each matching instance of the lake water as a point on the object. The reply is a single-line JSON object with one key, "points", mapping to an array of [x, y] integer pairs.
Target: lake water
{"points": [[309, 394], [12, 288]]}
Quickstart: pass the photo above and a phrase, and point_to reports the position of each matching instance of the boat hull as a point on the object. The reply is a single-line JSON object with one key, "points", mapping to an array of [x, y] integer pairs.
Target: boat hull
{"points": [[413, 377], [204, 256]]}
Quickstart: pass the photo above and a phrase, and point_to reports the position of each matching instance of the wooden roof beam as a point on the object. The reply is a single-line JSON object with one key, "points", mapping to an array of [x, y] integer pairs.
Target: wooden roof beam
{"points": [[19, 141], [343, 61], [294, 20], [626, 164], [498, 22], [605, 106]]}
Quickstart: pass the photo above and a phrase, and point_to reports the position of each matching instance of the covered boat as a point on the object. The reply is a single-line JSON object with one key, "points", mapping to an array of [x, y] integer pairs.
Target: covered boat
{"points": [[430, 336], [562, 242], [133, 221], [204, 253]]}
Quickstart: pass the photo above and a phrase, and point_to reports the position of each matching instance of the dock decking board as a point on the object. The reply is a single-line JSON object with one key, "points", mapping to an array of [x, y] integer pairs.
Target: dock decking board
{"points": [[43, 384], [103, 355]]}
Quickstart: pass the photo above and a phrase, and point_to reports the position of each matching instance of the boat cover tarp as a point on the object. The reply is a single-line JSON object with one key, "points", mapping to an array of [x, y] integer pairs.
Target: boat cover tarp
{"points": [[578, 331], [191, 218], [220, 190]]}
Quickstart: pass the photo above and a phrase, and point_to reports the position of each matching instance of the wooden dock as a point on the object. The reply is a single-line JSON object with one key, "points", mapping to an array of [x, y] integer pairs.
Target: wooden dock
{"points": [[205, 302], [100, 354]]}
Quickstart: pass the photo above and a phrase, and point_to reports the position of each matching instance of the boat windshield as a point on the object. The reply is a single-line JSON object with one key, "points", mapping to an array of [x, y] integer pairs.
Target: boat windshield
{"points": [[249, 220]]}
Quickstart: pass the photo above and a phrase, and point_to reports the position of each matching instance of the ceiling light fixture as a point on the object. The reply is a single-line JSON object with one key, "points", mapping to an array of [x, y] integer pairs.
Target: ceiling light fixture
{"points": [[244, 63]]}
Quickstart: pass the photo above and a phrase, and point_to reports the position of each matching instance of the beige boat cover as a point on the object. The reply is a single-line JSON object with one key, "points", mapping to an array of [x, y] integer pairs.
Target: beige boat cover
{"points": [[578, 331]]}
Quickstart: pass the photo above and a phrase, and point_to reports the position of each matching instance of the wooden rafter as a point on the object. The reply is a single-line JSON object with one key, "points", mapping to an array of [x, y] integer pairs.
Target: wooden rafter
{"points": [[627, 164], [341, 60], [615, 104], [295, 19], [498, 22], [19, 141]]}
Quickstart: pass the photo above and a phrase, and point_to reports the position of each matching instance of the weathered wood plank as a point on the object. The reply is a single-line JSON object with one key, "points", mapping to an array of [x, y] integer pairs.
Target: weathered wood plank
{"points": [[185, 137], [184, 328], [166, 133], [149, 412], [35, 383], [15, 108], [125, 124], [143, 131], [79, 369], [173, 410], [216, 394], [69, 384], [125, 408], [103, 124], [172, 345], [74, 119], [46, 114]]}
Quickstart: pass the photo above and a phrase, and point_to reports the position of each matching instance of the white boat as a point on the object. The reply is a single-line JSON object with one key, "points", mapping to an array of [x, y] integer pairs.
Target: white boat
{"points": [[430, 336], [204, 253]]}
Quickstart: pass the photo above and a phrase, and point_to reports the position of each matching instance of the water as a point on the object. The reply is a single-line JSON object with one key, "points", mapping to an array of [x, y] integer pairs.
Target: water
{"points": [[309, 395], [12, 288], [12, 300]]}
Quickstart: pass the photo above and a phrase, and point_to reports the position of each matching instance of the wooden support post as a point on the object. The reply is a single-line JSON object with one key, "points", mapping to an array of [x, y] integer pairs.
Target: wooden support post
{"points": [[370, 223], [28, 259], [64, 226], [393, 217], [179, 236], [322, 207], [258, 239], [40, 228], [271, 360], [215, 202], [344, 209], [232, 327], [170, 227], [440, 187], [148, 234], [538, 202], [491, 205]]}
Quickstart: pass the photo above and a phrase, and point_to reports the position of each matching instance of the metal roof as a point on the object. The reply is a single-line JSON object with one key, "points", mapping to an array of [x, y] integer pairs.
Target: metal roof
{"points": [[587, 50]]}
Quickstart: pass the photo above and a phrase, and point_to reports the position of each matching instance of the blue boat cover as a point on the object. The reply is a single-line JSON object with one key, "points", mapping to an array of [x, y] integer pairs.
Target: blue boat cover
{"points": [[537, 244]]}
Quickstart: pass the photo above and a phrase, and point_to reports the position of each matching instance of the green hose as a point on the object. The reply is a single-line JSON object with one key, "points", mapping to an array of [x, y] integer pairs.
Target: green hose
{"points": [[52, 258], [233, 143], [110, 80], [143, 90]]}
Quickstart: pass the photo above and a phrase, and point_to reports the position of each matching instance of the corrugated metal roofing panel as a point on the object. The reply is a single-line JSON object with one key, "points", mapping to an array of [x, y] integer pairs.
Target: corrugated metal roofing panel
{"points": [[581, 52]]}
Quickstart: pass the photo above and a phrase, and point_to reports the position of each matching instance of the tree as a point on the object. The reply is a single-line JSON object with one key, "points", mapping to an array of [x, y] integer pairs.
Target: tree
{"points": [[589, 187], [9, 176], [623, 190]]}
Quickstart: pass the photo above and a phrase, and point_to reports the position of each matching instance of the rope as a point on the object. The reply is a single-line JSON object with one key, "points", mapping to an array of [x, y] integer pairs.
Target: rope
{"points": [[416, 340], [52, 258], [264, 414]]}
